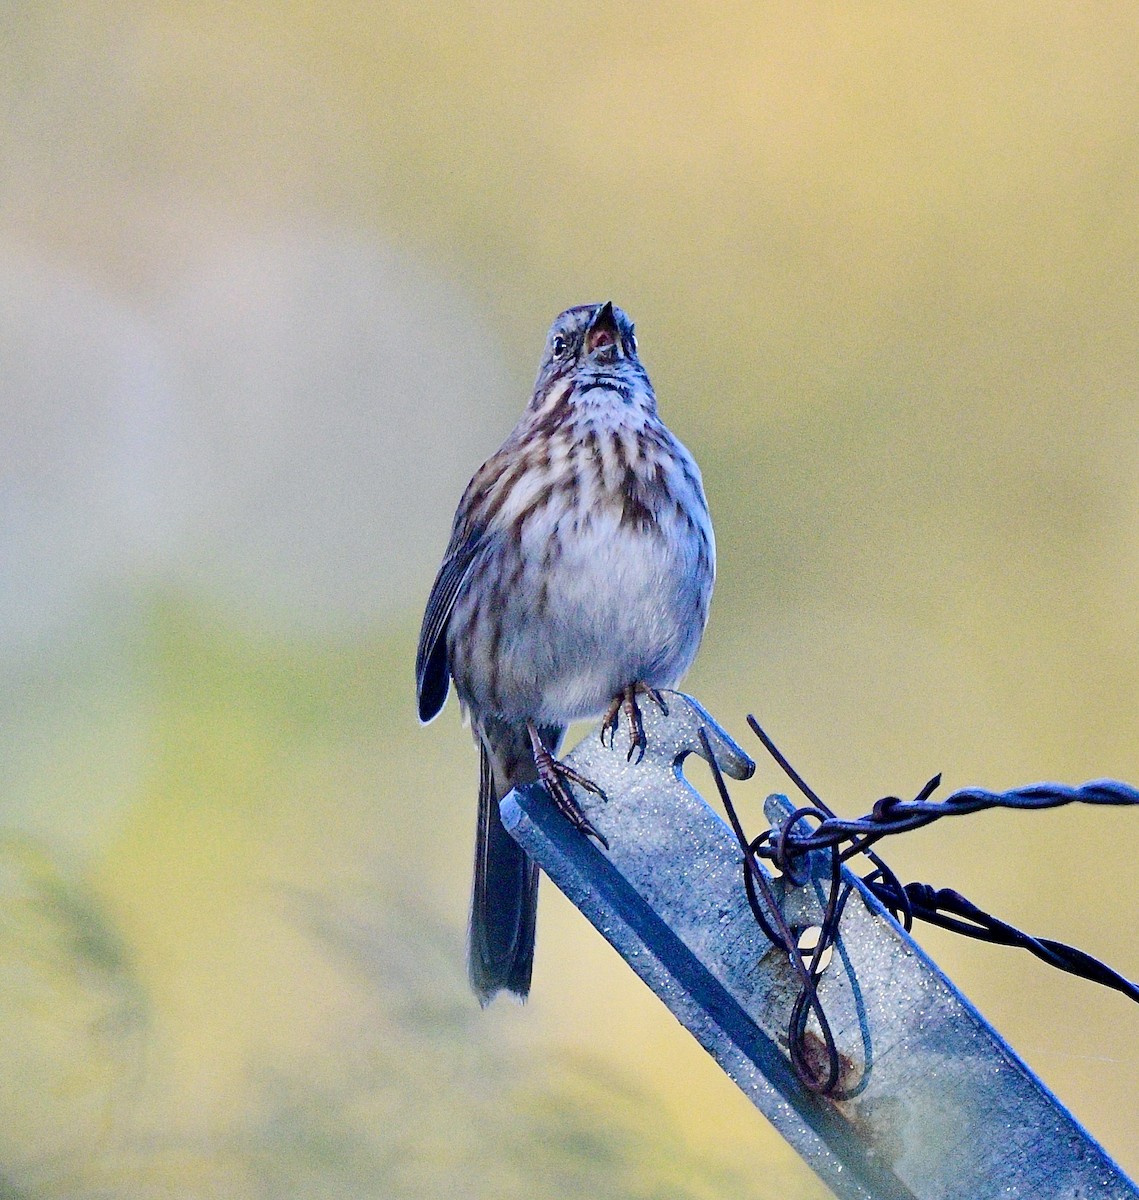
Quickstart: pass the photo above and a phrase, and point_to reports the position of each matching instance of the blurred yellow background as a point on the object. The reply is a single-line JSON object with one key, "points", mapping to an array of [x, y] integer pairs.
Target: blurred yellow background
{"points": [[274, 280]]}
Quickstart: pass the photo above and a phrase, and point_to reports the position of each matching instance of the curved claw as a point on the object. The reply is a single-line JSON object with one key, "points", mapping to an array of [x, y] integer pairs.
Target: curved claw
{"points": [[587, 828], [610, 721]]}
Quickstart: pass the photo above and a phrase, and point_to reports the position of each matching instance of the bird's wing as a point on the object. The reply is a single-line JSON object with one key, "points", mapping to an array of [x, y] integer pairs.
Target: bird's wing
{"points": [[432, 670]]}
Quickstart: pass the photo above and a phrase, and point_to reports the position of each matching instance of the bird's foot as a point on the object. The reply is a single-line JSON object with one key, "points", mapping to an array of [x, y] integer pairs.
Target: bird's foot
{"points": [[626, 703], [556, 777]]}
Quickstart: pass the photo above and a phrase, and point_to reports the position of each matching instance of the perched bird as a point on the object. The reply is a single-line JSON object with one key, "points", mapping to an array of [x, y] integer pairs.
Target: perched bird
{"points": [[577, 577]]}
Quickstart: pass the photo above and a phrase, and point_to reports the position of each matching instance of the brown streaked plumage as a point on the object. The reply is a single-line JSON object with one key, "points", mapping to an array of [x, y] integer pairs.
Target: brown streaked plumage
{"points": [[579, 572]]}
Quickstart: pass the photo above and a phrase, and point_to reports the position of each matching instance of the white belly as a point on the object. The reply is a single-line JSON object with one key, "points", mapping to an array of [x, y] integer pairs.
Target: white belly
{"points": [[621, 606]]}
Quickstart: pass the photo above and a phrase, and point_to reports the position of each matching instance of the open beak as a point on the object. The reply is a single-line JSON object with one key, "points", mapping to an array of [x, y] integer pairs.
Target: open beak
{"points": [[602, 334]]}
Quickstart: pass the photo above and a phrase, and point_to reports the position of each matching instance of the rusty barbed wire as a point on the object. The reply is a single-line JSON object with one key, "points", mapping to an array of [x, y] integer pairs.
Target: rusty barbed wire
{"points": [[788, 845], [776, 929]]}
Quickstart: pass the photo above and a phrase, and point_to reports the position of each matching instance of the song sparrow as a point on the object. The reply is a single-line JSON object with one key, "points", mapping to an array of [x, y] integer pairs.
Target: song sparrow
{"points": [[578, 575]]}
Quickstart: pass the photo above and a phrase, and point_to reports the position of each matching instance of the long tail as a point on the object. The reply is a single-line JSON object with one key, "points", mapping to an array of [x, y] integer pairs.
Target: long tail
{"points": [[504, 898]]}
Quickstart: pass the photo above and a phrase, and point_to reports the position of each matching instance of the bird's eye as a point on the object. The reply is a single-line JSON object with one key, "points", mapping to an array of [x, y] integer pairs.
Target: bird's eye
{"points": [[561, 345]]}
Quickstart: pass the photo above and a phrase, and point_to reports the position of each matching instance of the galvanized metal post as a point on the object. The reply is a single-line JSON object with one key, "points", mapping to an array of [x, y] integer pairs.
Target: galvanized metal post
{"points": [[937, 1104]]}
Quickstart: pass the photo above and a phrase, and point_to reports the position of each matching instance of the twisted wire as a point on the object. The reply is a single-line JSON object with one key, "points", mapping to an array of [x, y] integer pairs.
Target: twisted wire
{"points": [[769, 916], [814, 827]]}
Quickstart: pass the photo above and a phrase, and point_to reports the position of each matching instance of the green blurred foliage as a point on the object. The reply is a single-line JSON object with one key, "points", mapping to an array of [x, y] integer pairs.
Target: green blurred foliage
{"points": [[884, 267]]}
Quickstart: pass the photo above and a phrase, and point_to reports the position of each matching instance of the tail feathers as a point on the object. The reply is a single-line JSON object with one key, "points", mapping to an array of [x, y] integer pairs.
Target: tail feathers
{"points": [[504, 901]]}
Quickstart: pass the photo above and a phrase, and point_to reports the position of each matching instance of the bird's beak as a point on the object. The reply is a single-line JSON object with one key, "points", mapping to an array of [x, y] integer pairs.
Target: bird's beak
{"points": [[602, 333]]}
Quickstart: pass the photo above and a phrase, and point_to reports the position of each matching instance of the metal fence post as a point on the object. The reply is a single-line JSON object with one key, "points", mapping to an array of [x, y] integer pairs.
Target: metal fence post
{"points": [[937, 1104]]}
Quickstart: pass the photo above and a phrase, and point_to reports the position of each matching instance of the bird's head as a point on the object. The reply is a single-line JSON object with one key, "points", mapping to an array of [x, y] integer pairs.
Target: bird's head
{"points": [[594, 343]]}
